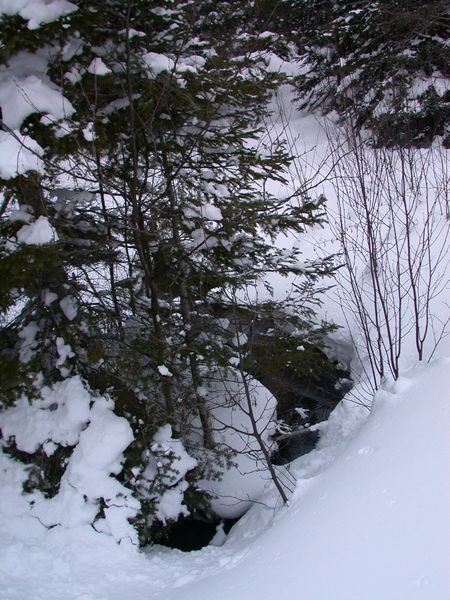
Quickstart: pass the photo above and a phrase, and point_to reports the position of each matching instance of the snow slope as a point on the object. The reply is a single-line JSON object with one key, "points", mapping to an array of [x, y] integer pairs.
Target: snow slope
{"points": [[374, 524]]}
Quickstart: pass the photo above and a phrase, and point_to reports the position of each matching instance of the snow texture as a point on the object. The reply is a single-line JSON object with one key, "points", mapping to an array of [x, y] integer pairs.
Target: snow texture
{"points": [[68, 415], [164, 371], [19, 154], [37, 12], [98, 67], [28, 342], [169, 462], [158, 62], [59, 416], [21, 97], [244, 481], [39, 232], [69, 307], [370, 510]]}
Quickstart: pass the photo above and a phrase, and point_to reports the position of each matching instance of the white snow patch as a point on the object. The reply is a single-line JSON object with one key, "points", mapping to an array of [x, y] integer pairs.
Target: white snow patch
{"points": [[239, 340], [39, 232], [158, 62], [19, 154], [64, 352], [164, 371], [37, 12], [20, 216], [376, 521], [28, 342], [89, 132], [49, 297], [169, 463], [98, 67], [69, 307], [244, 482], [21, 97], [59, 415]]}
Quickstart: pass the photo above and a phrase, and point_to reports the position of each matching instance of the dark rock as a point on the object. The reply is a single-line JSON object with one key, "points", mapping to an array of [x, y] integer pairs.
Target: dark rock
{"points": [[194, 534], [190, 534]]}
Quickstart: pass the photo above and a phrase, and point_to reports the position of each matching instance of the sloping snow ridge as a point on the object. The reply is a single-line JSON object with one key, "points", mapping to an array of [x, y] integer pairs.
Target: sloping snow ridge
{"points": [[372, 525], [376, 524]]}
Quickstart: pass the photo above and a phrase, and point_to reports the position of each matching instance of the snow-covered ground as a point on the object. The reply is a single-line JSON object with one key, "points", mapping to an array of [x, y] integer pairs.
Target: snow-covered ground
{"points": [[369, 519]]}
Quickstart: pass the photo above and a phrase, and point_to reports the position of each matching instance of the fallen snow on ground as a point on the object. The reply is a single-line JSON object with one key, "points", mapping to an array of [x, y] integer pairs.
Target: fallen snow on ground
{"points": [[368, 520]]}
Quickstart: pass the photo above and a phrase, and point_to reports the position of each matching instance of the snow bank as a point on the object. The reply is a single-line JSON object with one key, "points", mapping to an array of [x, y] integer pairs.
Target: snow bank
{"points": [[374, 525]]}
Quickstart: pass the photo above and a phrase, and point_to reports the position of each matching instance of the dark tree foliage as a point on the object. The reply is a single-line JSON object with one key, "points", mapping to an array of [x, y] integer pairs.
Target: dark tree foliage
{"points": [[155, 186], [384, 63]]}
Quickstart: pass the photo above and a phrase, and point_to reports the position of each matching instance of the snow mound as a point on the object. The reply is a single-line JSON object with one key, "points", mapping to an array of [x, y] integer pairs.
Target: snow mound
{"points": [[89, 494]]}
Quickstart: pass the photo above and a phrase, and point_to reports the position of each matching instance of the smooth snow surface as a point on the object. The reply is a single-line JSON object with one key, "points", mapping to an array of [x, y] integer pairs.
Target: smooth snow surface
{"points": [[372, 525], [375, 525]]}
